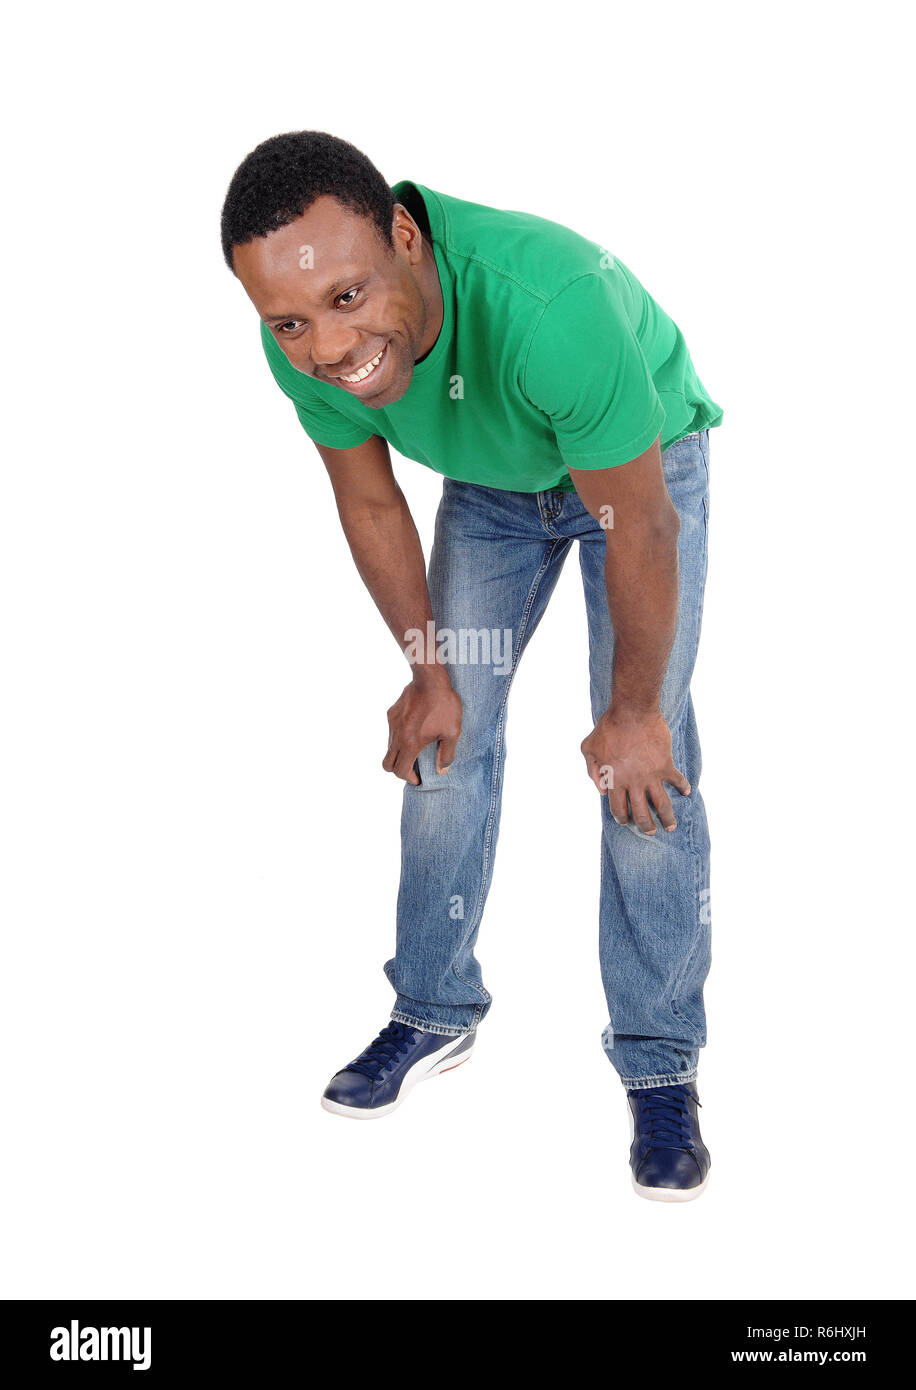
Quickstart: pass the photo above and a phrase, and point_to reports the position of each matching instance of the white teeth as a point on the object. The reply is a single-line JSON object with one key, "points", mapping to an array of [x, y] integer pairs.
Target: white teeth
{"points": [[365, 371]]}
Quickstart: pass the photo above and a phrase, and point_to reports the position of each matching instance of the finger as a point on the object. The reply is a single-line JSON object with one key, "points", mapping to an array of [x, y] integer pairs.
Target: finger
{"points": [[605, 776], [445, 754], [640, 810], [404, 767], [390, 757], [601, 775], [591, 767], [663, 806], [678, 780], [617, 800], [396, 762]]}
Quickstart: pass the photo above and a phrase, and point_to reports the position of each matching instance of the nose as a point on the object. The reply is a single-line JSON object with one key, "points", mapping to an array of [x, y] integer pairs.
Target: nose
{"points": [[332, 344]]}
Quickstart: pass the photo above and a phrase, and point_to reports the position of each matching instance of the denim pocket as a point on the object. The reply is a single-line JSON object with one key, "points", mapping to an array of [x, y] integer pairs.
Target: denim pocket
{"points": [[682, 459]]}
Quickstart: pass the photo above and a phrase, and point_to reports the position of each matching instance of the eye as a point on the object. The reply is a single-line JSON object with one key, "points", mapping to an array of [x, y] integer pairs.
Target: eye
{"points": [[348, 297], [291, 326]]}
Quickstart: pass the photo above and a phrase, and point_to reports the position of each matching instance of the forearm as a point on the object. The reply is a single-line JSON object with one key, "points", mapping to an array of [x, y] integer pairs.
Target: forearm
{"points": [[641, 572], [387, 553], [628, 753]]}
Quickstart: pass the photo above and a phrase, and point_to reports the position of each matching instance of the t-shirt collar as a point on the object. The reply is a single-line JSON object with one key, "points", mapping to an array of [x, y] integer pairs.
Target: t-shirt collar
{"points": [[437, 229]]}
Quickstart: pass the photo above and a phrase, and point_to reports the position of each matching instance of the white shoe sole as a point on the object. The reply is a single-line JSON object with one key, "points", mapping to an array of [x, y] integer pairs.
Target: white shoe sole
{"points": [[670, 1194], [663, 1194], [416, 1074]]}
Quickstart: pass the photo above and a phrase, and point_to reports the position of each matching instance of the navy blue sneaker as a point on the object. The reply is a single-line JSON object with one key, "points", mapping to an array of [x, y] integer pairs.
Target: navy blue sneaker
{"points": [[669, 1160], [379, 1079]]}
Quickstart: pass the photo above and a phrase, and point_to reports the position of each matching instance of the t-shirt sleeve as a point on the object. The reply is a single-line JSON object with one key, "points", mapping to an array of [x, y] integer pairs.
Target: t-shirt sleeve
{"points": [[318, 417], [585, 368]]}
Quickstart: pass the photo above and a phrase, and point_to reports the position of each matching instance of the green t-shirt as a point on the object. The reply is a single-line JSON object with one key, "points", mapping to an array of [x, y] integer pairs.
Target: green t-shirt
{"points": [[551, 353]]}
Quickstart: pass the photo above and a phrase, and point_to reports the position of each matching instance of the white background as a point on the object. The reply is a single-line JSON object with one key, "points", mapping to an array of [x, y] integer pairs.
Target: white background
{"points": [[200, 850]]}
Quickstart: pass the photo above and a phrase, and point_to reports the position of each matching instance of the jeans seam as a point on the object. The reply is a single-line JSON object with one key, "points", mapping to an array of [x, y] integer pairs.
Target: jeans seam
{"points": [[689, 826], [497, 761], [688, 822], [697, 937], [432, 1027], [648, 1083], [704, 450], [548, 518]]}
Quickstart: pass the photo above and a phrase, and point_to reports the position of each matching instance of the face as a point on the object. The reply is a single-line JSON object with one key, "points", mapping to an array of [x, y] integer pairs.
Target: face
{"points": [[344, 308]]}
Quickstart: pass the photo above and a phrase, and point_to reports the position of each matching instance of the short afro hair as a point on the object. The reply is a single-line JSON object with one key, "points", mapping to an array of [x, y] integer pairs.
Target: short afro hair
{"points": [[283, 176]]}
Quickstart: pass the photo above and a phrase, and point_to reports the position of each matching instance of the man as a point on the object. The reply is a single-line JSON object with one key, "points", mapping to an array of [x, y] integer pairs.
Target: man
{"points": [[530, 368]]}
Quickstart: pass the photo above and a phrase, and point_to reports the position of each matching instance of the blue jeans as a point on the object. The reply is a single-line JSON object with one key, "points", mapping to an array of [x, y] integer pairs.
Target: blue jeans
{"points": [[495, 561]]}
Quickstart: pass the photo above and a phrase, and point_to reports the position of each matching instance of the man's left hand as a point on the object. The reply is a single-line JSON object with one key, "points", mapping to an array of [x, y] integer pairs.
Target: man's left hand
{"points": [[629, 758]]}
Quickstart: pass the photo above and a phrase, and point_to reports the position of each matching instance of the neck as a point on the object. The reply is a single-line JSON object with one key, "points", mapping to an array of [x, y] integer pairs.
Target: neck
{"points": [[431, 290]]}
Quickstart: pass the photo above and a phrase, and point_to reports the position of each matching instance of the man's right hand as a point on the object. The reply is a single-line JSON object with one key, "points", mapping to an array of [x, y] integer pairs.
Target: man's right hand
{"points": [[386, 548], [427, 711]]}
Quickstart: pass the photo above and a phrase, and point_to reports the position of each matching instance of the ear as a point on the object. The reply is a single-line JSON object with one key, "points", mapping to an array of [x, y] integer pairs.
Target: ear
{"points": [[406, 234]]}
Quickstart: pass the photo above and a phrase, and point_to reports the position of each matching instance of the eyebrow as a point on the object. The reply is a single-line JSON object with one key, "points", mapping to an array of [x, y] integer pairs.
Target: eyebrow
{"points": [[343, 282]]}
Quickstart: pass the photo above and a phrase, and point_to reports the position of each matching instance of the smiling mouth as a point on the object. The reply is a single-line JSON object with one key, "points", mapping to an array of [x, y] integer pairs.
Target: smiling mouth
{"points": [[364, 372]]}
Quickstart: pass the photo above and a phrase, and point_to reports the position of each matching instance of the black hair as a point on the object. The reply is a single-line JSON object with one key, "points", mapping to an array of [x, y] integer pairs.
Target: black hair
{"points": [[283, 176]]}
